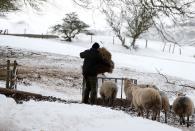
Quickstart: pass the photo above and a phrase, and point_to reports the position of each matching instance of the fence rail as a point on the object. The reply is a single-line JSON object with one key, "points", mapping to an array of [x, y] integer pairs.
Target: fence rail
{"points": [[118, 80]]}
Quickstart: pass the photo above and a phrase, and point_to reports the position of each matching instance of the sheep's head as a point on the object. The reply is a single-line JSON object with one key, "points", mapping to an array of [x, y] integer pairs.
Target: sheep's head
{"points": [[128, 82], [154, 87], [178, 94]]}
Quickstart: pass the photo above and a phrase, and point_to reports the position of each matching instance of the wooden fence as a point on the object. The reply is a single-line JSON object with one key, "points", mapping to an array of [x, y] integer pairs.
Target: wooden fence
{"points": [[8, 73]]}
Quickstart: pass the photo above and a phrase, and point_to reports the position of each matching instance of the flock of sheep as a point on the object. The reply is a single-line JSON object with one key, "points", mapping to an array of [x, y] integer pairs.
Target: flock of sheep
{"points": [[148, 98]]}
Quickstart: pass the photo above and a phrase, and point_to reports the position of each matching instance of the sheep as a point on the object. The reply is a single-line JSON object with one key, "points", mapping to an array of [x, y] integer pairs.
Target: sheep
{"points": [[108, 92], [183, 107], [128, 83], [146, 99], [165, 104]]}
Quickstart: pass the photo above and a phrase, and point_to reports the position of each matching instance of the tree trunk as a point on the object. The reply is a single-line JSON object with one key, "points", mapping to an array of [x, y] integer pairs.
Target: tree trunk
{"points": [[133, 43], [123, 41], [69, 39]]}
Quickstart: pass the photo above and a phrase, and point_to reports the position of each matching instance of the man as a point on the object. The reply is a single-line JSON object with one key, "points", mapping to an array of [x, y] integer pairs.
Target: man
{"points": [[92, 59]]}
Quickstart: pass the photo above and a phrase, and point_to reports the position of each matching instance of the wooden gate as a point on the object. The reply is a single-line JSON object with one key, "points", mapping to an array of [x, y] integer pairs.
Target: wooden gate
{"points": [[9, 74]]}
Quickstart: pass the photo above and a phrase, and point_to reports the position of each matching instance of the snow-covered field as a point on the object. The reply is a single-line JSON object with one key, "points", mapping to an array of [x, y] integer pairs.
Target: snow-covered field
{"points": [[47, 116], [59, 67], [53, 68]]}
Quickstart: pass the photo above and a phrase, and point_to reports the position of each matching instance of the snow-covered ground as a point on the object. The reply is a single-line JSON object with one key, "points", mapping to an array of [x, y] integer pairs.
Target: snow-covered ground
{"points": [[53, 68], [61, 56], [48, 116]]}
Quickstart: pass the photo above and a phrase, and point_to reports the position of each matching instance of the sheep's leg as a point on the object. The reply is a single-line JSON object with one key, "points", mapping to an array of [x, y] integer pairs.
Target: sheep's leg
{"points": [[158, 114], [110, 102], [183, 120], [154, 115], [165, 117], [103, 100], [106, 101], [142, 113], [188, 124], [147, 114], [180, 120], [139, 112]]}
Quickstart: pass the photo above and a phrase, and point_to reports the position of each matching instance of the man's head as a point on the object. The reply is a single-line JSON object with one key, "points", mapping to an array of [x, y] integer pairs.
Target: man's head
{"points": [[95, 45]]}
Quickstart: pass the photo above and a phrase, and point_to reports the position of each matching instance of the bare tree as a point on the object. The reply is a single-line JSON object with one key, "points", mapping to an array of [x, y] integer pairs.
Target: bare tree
{"points": [[116, 23], [13, 5], [139, 19], [144, 14]]}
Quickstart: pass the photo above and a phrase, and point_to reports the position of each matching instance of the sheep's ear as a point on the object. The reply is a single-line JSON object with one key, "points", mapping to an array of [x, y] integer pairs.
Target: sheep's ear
{"points": [[180, 94]]}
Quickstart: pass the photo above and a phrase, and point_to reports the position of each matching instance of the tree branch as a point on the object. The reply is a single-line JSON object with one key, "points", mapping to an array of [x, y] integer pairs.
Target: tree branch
{"points": [[173, 83]]}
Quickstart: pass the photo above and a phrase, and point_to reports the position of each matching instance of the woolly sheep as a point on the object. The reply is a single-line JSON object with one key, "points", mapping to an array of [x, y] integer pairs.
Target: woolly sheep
{"points": [[146, 99], [165, 104], [108, 92], [183, 107], [128, 83]]}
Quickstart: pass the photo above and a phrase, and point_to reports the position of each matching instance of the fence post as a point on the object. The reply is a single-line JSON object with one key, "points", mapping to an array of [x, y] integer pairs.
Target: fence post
{"points": [[8, 74], [169, 48], [164, 47], [180, 51], [173, 48], [13, 76], [122, 89], [146, 44], [91, 38], [113, 40]]}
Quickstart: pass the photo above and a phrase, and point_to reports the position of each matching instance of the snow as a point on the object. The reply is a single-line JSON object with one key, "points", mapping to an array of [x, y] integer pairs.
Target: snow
{"points": [[48, 116], [72, 117], [145, 60]]}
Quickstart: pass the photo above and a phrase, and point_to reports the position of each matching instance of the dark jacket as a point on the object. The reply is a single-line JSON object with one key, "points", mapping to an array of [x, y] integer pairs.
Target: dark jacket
{"points": [[92, 59]]}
